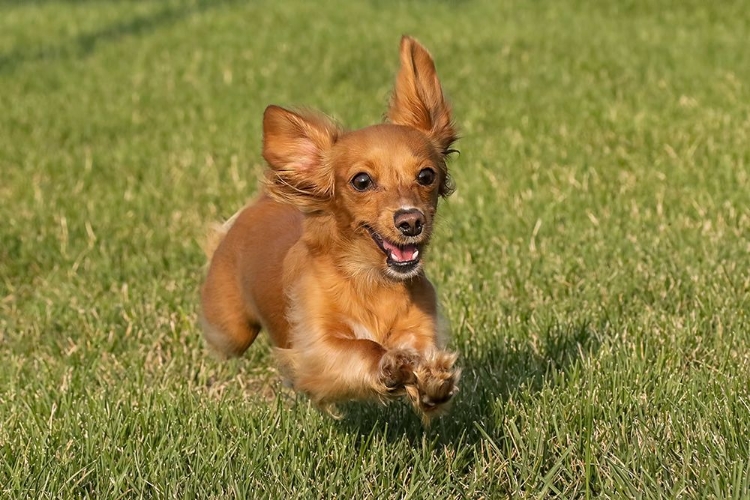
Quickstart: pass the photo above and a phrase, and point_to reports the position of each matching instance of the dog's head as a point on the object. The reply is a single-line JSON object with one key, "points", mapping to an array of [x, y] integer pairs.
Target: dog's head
{"points": [[375, 190]]}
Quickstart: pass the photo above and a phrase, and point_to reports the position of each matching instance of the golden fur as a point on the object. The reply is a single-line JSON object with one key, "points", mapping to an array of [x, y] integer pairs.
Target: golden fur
{"points": [[328, 260]]}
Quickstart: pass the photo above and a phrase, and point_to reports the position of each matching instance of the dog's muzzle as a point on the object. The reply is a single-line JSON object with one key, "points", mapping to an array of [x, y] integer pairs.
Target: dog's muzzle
{"points": [[404, 259]]}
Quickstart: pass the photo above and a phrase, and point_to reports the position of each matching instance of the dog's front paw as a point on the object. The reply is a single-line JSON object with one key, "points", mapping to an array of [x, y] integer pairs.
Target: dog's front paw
{"points": [[396, 370], [436, 384]]}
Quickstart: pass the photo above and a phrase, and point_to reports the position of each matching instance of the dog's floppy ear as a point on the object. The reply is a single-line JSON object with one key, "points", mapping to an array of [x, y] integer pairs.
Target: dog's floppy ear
{"points": [[417, 99], [295, 145]]}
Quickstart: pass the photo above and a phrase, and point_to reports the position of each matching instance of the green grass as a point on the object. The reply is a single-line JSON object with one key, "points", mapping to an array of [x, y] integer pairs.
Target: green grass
{"points": [[594, 262]]}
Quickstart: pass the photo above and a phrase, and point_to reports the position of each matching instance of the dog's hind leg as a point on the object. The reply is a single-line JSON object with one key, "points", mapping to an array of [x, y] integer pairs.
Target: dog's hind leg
{"points": [[229, 329], [231, 338]]}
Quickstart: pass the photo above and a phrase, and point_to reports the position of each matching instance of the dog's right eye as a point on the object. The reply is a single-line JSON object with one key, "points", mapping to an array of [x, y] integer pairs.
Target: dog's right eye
{"points": [[361, 182]]}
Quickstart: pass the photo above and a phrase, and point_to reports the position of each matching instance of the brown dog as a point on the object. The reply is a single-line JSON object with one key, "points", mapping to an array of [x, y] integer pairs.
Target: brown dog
{"points": [[329, 259]]}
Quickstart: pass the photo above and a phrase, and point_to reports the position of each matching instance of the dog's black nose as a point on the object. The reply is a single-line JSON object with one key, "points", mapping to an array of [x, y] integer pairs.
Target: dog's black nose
{"points": [[409, 222]]}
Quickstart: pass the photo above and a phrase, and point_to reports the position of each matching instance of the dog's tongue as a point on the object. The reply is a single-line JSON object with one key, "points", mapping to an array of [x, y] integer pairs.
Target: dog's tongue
{"points": [[406, 253]]}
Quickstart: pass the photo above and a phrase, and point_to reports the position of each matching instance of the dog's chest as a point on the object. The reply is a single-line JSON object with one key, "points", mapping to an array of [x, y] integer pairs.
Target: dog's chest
{"points": [[366, 332], [375, 321]]}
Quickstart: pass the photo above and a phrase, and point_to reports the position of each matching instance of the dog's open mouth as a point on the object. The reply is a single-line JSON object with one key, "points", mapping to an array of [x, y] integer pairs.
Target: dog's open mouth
{"points": [[401, 258]]}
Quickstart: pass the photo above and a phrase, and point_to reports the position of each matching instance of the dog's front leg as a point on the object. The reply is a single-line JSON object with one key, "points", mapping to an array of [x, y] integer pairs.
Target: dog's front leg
{"points": [[437, 383], [435, 376], [337, 367]]}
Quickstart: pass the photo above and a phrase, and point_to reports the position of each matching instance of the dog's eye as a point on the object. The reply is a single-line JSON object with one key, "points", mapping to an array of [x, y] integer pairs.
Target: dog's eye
{"points": [[361, 182], [426, 176]]}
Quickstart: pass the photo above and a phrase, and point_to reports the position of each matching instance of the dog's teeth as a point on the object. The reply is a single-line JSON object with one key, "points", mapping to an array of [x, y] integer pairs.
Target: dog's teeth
{"points": [[416, 254]]}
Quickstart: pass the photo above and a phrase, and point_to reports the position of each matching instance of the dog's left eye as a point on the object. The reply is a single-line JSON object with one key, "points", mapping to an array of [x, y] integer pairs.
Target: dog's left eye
{"points": [[426, 176], [361, 182]]}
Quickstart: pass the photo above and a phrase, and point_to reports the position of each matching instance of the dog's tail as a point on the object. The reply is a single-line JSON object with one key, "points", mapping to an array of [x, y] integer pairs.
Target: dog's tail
{"points": [[215, 235]]}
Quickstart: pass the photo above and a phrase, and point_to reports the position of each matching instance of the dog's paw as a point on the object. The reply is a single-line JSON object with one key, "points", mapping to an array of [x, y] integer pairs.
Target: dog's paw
{"points": [[436, 384], [396, 370]]}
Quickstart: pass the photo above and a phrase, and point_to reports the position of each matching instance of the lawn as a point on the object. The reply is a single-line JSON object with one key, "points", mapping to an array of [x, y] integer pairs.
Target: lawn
{"points": [[594, 262]]}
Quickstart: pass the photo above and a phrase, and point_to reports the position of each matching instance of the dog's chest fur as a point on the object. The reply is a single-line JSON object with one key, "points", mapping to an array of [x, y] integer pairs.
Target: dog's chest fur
{"points": [[369, 311]]}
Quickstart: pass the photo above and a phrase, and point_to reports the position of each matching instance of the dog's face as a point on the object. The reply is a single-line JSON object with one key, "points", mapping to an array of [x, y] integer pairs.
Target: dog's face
{"points": [[379, 185], [387, 182]]}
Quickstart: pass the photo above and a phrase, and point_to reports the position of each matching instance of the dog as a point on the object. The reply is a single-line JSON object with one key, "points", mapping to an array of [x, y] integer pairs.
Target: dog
{"points": [[329, 259]]}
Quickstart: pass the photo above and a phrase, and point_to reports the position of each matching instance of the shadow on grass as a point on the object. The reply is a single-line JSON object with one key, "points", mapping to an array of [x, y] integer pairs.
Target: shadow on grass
{"points": [[491, 375], [84, 44]]}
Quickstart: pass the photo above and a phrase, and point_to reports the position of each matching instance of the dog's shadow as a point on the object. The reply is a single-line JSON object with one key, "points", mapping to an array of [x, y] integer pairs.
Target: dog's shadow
{"points": [[491, 374]]}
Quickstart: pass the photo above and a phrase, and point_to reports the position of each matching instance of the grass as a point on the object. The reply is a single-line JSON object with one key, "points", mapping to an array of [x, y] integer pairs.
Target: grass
{"points": [[593, 262]]}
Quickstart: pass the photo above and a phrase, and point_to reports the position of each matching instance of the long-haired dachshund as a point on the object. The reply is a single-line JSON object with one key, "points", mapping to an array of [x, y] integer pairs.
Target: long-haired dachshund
{"points": [[329, 258]]}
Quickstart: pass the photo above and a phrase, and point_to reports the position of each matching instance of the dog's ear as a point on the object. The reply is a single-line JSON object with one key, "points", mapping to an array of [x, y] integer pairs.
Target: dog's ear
{"points": [[417, 99], [296, 145]]}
